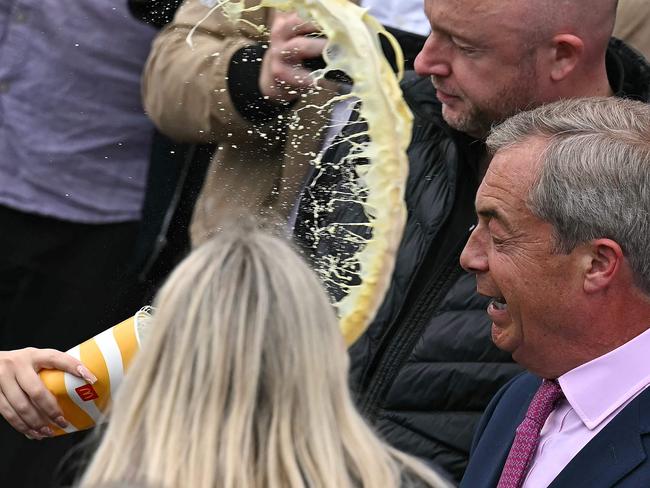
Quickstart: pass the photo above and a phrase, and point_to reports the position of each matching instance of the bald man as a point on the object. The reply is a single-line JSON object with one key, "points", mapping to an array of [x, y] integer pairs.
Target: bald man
{"points": [[426, 368]]}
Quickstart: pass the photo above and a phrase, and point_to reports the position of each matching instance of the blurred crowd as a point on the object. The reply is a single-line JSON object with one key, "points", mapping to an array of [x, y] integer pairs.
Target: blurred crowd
{"points": [[139, 139]]}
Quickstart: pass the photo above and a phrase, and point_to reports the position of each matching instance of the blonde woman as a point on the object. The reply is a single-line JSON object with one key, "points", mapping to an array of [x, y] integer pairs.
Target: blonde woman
{"points": [[243, 383]]}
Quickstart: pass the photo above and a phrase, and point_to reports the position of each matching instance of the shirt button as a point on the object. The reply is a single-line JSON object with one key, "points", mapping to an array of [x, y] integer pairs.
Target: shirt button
{"points": [[4, 86]]}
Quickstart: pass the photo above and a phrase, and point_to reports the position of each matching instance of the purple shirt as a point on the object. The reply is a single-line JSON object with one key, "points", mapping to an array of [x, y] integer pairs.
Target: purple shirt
{"points": [[74, 139], [595, 393]]}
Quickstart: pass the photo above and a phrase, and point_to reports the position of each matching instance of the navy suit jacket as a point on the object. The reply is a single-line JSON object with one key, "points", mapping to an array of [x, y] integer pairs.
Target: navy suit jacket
{"points": [[616, 456]]}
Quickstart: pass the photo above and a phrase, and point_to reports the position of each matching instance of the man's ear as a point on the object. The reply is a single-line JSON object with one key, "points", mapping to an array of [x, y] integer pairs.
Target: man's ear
{"points": [[603, 259], [566, 54]]}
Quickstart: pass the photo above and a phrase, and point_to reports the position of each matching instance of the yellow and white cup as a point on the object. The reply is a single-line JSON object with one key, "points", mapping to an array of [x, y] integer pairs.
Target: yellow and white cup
{"points": [[108, 355]]}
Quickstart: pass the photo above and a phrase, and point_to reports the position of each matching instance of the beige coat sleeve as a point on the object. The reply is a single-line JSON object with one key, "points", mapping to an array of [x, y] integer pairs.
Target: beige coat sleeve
{"points": [[185, 88], [633, 24]]}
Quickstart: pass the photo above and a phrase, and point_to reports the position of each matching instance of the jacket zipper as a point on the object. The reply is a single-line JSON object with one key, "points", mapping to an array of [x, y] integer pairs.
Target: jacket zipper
{"points": [[399, 341]]}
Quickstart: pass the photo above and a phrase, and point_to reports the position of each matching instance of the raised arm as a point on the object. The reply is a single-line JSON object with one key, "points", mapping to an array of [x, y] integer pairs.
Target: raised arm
{"points": [[186, 89], [232, 78]]}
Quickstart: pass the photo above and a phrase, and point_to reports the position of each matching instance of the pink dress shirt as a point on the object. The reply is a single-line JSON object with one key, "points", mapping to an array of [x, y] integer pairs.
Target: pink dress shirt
{"points": [[595, 393]]}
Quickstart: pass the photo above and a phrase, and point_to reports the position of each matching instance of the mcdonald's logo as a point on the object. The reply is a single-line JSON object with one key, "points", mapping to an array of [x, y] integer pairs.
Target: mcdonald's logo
{"points": [[86, 393]]}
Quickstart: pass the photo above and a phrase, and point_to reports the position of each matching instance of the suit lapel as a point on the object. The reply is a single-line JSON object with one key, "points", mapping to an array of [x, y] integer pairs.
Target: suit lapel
{"points": [[502, 449], [496, 452], [496, 432], [614, 452]]}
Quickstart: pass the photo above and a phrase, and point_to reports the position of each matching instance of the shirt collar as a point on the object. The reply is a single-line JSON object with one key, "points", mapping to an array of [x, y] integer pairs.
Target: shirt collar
{"points": [[598, 388]]}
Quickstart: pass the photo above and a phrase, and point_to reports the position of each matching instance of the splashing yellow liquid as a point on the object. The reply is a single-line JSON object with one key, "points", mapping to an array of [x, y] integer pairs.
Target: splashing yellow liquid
{"points": [[354, 48]]}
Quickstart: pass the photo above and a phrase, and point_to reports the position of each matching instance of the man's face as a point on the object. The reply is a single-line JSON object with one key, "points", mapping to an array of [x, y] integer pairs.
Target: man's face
{"points": [[511, 252], [477, 60]]}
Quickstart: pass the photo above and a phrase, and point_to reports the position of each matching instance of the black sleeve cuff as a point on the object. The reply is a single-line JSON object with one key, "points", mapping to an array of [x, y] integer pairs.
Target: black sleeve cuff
{"points": [[154, 12], [243, 85]]}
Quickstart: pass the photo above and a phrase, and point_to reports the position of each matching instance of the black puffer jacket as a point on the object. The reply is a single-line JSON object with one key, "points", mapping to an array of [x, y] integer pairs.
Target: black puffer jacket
{"points": [[426, 368]]}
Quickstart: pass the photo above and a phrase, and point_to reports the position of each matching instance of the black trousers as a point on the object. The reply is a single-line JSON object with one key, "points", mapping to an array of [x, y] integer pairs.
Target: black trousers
{"points": [[60, 284]]}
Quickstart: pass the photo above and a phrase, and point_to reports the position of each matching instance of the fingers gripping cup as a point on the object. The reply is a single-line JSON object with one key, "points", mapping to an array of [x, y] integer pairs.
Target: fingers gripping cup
{"points": [[108, 355]]}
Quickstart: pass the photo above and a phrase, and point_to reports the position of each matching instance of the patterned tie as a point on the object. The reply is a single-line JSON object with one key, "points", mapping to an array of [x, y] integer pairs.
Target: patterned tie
{"points": [[527, 436]]}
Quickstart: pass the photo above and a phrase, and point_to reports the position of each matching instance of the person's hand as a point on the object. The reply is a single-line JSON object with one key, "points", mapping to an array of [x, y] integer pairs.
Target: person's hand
{"points": [[282, 75], [24, 401]]}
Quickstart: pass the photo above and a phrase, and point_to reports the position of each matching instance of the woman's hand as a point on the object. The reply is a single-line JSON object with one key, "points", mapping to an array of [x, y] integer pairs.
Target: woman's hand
{"points": [[25, 402]]}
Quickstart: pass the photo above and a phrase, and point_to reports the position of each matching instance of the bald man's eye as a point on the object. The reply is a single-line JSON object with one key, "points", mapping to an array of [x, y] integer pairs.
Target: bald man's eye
{"points": [[466, 49]]}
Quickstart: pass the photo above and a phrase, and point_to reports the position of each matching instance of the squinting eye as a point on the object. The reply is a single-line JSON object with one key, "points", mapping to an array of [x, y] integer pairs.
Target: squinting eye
{"points": [[496, 241], [467, 49], [464, 48]]}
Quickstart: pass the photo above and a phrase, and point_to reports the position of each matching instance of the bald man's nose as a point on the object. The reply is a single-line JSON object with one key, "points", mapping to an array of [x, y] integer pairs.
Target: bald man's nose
{"points": [[431, 61]]}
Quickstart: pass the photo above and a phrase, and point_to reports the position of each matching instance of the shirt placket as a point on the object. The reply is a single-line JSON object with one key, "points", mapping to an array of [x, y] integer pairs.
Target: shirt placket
{"points": [[558, 422]]}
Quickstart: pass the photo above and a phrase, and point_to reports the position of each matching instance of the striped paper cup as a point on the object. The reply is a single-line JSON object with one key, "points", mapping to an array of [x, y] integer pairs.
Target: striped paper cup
{"points": [[108, 355]]}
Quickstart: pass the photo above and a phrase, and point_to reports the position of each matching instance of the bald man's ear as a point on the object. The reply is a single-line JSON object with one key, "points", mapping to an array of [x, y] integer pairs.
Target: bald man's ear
{"points": [[603, 262], [567, 52]]}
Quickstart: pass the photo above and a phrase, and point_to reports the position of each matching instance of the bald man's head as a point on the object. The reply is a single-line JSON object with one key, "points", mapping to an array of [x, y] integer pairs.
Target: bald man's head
{"points": [[591, 21], [490, 59]]}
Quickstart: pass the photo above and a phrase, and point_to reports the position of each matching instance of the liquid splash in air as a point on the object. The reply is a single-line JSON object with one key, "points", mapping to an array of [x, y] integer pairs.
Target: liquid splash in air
{"points": [[376, 168]]}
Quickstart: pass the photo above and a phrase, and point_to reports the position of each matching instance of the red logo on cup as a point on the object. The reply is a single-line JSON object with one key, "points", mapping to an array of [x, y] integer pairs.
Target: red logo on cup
{"points": [[86, 393]]}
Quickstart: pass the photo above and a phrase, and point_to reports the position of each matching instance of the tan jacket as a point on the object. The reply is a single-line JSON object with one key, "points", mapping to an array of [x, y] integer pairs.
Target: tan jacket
{"points": [[633, 24], [185, 92]]}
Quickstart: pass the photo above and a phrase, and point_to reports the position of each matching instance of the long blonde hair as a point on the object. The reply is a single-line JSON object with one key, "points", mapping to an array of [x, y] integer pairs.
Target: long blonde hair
{"points": [[243, 383]]}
